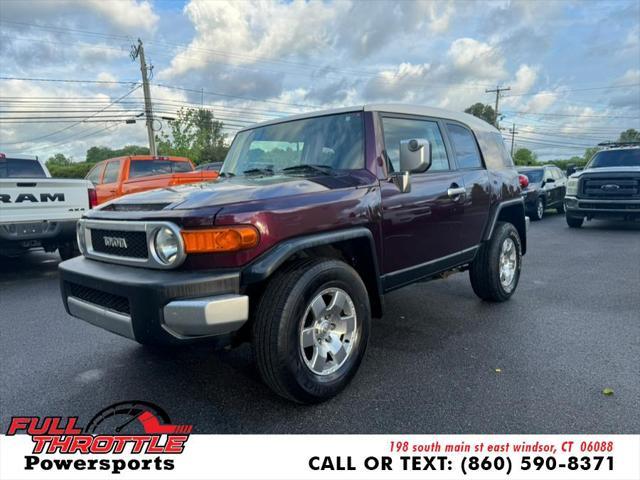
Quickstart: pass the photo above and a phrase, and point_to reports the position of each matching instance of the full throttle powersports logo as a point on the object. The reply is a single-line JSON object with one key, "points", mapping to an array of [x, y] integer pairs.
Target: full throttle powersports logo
{"points": [[124, 428]]}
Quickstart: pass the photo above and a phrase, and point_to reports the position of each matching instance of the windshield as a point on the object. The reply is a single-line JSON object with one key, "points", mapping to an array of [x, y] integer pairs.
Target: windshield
{"points": [[616, 158], [534, 176], [20, 168], [314, 145]]}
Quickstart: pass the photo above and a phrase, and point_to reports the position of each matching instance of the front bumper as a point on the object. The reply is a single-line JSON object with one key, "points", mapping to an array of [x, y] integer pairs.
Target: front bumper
{"points": [[153, 306], [583, 207], [35, 234]]}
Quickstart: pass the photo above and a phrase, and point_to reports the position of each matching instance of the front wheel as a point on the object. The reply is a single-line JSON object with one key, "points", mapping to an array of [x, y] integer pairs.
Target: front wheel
{"points": [[538, 211], [560, 208], [495, 271], [311, 329], [574, 222]]}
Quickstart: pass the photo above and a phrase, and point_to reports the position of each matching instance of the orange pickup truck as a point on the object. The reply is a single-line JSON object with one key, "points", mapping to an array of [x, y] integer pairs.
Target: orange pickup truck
{"points": [[115, 177]]}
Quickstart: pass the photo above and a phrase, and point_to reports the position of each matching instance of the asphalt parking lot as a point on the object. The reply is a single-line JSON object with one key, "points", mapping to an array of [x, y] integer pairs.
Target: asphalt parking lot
{"points": [[571, 330]]}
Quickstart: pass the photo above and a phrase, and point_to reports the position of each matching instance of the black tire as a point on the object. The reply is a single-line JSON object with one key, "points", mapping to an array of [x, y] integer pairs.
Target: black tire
{"points": [[280, 316], [538, 210], [560, 208], [68, 250], [574, 222], [485, 269]]}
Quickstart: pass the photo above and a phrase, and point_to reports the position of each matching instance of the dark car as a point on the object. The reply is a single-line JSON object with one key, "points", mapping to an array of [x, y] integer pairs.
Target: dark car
{"points": [[608, 187], [546, 189], [313, 220], [215, 166]]}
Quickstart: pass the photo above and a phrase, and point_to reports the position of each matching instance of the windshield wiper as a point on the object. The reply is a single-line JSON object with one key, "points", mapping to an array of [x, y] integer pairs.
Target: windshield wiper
{"points": [[310, 167], [259, 171]]}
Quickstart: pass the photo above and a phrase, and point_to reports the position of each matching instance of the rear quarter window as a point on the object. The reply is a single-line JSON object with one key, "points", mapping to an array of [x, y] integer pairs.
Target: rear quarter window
{"points": [[493, 150], [148, 168], [464, 146]]}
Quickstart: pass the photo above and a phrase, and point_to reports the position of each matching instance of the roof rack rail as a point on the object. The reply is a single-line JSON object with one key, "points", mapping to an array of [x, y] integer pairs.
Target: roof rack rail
{"points": [[619, 144]]}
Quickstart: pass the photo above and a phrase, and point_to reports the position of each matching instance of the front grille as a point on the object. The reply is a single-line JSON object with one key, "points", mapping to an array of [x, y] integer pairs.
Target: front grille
{"points": [[611, 187], [120, 242], [608, 206], [97, 297]]}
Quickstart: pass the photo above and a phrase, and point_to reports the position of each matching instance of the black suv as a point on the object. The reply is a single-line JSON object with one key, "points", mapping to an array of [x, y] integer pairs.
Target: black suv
{"points": [[608, 187], [546, 189]]}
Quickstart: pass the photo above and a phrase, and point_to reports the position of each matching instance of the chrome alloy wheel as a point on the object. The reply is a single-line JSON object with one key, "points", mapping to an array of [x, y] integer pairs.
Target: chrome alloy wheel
{"points": [[508, 263], [328, 331], [540, 208]]}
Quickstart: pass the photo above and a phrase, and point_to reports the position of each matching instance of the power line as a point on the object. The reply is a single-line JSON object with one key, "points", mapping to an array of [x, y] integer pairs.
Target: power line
{"points": [[64, 80], [234, 96], [546, 92], [571, 115], [77, 123]]}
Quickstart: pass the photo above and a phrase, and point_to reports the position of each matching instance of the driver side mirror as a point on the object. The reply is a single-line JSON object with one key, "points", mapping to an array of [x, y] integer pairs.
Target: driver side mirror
{"points": [[550, 180], [415, 157]]}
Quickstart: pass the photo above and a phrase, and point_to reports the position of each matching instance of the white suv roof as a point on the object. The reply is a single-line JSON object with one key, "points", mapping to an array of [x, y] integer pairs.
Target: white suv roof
{"points": [[469, 120]]}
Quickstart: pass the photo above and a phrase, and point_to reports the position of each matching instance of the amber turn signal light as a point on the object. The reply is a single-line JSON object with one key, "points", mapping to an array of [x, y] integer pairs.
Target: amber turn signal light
{"points": [[223, 239]]}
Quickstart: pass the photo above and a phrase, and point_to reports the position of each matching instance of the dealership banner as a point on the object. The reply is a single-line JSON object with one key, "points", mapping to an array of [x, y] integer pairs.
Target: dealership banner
{"points": [[61, 450]]}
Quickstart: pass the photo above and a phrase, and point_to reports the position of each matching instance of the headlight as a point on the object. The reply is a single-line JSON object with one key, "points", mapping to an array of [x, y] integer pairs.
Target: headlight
{"points": [[572, 186], [80, 236], [166, 245]]}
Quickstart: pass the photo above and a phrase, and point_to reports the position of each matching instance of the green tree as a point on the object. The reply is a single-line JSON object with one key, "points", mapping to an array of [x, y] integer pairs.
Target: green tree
{"points": [[630, 135], [72, 170], [97, 154], [58, 159], [485, 112], [524, 156], [194, 134]]}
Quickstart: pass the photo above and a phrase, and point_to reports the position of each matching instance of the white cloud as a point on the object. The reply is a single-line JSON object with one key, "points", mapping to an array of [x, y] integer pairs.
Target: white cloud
{"points": [[525, 78], [130, 16], [477, 58], [541, 102]]}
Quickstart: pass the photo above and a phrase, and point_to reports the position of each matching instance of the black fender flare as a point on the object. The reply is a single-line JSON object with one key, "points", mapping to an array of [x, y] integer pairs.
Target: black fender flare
{"points": [[269, 262], [495, 214]]}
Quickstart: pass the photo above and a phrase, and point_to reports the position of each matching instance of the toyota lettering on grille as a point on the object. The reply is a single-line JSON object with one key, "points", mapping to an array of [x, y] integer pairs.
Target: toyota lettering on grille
{"points": [[610, 187], [118, 242]]}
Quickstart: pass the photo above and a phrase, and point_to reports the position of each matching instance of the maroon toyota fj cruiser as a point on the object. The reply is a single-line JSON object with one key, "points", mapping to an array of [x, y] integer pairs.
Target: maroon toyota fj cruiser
{"points": [[314, 218]]}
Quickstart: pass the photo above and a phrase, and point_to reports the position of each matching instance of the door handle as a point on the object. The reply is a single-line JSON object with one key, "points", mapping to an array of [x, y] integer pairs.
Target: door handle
{"points": [[454, 191]]}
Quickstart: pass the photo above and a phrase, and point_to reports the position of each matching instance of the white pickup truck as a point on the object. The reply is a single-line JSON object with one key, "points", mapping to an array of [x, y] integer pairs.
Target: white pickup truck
{"points": [[37, 210]]}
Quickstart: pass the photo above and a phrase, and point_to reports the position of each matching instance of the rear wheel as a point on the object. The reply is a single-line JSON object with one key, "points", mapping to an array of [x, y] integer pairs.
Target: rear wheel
{"points": [[495, 271], [311, 329], [574, 222]]}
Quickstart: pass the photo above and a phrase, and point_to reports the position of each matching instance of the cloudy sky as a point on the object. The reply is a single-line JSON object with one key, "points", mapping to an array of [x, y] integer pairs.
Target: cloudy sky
{"points": [[573, 66]]}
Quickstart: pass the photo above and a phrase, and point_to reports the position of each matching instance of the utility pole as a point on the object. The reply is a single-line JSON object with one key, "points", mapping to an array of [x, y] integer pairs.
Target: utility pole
{"points": [[497, 91], [138, 52], [513, 133]]}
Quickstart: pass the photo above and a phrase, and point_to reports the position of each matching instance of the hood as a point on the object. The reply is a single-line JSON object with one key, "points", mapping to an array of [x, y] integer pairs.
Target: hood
{"points": [[231, 191], [606, 170]]}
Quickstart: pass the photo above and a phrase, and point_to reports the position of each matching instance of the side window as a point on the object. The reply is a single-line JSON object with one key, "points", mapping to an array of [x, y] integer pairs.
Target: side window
{"points": [[111, 172], [464, 146], [397, 129], [548, 173], [559, 174], [95, 173]]}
